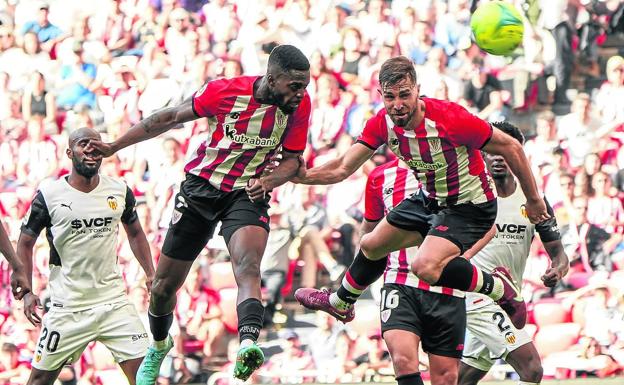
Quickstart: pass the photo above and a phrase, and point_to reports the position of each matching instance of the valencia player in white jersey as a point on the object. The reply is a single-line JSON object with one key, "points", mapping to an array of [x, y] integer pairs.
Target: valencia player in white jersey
{"points": [[490, 333], [81, 213]]}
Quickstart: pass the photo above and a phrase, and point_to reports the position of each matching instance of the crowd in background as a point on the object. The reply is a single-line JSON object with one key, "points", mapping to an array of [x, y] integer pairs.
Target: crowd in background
{"points": [[106, 64]]}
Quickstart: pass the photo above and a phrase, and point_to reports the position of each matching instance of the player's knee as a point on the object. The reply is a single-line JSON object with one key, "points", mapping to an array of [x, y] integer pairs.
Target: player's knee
{"points": [[163, 288], [404, 364], [445, 376], [370, 248], [424, 270], [532, 371]]}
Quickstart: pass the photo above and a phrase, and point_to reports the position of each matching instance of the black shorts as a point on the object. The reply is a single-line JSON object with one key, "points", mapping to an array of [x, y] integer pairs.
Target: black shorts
{"points": [[463, 224], [199, 207], [438, 319]]}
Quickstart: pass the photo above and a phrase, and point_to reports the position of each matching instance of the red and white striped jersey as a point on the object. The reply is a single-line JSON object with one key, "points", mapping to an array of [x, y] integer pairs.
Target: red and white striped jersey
{"points": [[386, 187], [443, 151], [243, 134]]}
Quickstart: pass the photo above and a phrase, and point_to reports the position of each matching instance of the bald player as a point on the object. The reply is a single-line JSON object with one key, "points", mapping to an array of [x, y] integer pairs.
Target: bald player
{"points": [[81, 213]]}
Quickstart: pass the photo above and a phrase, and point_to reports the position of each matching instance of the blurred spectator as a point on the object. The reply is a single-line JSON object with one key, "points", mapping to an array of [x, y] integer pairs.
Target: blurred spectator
{"points": [[555, 17], [38, 103], [329, 345], [540, 149], [588, 246], [75, 80], [610, 97], [482, 91], [288, 365], [12, 368], [578, 130], [48, 33]]}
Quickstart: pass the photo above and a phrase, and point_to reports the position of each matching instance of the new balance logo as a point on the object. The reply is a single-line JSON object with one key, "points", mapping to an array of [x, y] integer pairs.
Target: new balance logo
{"points": [[263, 219], [68, 206], [441, 228]]}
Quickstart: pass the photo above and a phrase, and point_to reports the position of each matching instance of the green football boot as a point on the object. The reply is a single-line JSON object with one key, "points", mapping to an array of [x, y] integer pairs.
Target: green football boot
{"points": [[248, 360], [150, 367]]}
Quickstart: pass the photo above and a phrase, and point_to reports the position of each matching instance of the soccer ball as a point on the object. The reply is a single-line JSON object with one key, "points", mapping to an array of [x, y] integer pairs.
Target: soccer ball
{"points": [[497, 27]]}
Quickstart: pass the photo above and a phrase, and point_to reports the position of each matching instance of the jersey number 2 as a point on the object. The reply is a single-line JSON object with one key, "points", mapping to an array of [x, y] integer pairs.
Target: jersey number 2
{"points": [[500, 318]]}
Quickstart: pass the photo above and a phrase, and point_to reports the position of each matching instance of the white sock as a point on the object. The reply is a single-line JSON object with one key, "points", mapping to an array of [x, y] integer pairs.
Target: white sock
{"points": [[338, 303], [160, 345], [498, 290], [245, 343]]}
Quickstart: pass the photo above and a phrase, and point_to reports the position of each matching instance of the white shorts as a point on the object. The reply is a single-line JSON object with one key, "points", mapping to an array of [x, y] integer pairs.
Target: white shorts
{"points": [[65, 335], [490, 335]]}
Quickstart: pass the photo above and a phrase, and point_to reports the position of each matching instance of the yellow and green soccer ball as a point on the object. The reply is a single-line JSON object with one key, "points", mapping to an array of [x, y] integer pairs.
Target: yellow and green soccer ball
{"points": [[497, 27]]}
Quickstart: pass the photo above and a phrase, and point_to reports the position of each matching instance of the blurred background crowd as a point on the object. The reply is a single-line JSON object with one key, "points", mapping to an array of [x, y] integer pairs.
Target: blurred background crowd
{"points": [[106, 64]]}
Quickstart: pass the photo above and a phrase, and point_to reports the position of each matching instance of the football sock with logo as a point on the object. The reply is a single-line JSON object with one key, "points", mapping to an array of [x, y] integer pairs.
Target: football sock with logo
{"points": [[159, 326], [361, 274], [461, 274], [410, 379], [250, 318]]}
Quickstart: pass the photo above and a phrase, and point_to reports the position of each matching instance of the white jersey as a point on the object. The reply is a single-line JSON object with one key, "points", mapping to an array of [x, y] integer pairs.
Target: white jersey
{"points": [[511, 245], [81, 229]]}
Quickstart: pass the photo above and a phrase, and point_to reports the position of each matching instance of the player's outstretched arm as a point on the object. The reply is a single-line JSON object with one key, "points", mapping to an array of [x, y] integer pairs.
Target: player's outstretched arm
{"points": [[471, 252], [551, 239], [19, 282], [335, 170], [157, 123], [276, 175], [510, 149], [141, 249]]}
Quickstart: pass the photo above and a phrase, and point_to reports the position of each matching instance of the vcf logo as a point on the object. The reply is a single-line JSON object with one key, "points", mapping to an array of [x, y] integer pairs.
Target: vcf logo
{"points": [[112, 202]]}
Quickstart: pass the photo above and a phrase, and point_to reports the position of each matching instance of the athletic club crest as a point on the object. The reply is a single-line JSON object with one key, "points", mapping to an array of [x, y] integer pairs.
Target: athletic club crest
{"points": [[385, 315], [175, 217], [435, 145], [112, 202], [281, 119]]}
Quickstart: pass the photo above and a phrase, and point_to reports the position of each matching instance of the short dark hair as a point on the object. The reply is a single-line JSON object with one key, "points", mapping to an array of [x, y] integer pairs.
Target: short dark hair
{"points": [[510, 130], [396, 69], [288, 57]]}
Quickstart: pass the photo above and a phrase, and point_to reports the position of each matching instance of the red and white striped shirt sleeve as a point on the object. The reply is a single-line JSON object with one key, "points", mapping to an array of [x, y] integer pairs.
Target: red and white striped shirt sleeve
{"points": [[296, 137], [375, 133], [206, 99], [374, 209], [466, 129]]}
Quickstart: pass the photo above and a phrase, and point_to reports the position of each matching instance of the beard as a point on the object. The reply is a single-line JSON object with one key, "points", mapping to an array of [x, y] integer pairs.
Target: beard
{"points": [[84, 170]]}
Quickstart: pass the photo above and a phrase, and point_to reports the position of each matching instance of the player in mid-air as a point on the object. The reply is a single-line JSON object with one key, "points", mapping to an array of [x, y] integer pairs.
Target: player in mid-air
{"points": [[490, 334], [250, 118], [81, 213], [19, 282], [441, 142], [412, 311]]}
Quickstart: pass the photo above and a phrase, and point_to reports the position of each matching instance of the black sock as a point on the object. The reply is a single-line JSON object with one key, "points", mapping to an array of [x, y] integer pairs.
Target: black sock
{"points": [[462, 275], [159, 325], [361, 274], [457, 274], [410, 379], [250, 317]]}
